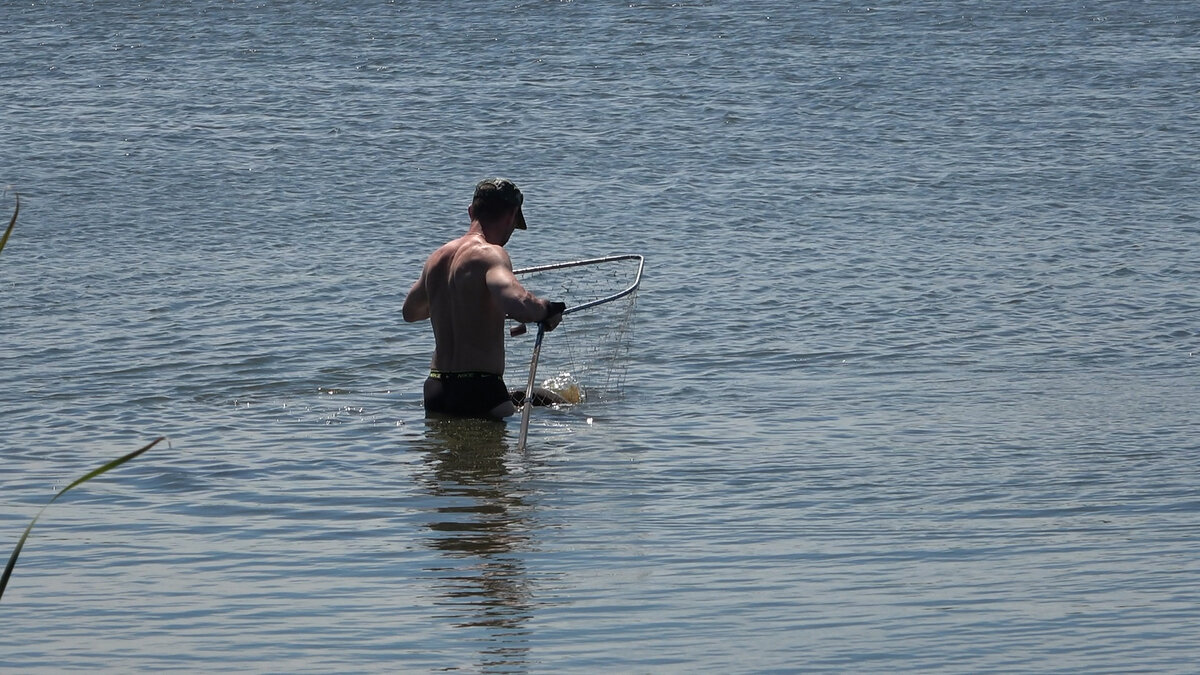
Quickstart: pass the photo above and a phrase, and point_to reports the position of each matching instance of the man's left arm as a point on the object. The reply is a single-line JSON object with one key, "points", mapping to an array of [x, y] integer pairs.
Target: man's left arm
{"points": [[511, 296]]}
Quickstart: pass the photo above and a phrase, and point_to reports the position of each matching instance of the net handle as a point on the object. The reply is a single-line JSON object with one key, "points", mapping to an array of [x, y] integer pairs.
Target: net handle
{"points": [[527, 404]]}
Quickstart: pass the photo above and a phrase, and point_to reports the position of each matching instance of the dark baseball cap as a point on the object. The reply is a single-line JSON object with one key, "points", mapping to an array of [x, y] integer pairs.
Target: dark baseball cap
{"points": [[504, 191]]}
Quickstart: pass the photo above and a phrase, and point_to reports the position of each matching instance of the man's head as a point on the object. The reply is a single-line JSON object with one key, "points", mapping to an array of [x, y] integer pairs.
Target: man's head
{"points": [[494, 197]]}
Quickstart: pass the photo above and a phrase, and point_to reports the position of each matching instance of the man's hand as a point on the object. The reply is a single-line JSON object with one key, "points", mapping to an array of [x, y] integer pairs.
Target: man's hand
{"points": [[554, 315], [554, 312]]}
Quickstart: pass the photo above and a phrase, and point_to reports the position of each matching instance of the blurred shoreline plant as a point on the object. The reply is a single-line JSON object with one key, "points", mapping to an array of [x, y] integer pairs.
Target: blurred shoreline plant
{"points": [[12, 222], [12, 560]]}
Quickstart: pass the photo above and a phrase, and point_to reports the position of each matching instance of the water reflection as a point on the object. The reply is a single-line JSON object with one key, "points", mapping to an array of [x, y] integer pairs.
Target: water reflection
{"points": [[484, 523]]}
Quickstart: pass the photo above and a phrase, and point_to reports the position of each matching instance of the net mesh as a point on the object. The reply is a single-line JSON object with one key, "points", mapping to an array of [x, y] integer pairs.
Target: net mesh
{"points": [[586, 358]]}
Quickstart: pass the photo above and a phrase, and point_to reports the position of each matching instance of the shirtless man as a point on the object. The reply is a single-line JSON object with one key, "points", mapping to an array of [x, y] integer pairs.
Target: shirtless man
{"points": [[466, 289]]}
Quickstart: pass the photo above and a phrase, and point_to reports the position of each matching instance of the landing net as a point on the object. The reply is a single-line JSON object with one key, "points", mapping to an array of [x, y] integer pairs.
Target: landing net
{"points": [[585, 359]]}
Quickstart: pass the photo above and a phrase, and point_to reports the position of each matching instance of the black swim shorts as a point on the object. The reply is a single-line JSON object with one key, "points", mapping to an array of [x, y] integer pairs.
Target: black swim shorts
{"points": [[467, 394]]}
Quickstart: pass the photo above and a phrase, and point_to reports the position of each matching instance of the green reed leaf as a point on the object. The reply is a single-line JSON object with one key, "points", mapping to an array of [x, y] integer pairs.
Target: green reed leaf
{"points": [[12, 561], [4, 240]]}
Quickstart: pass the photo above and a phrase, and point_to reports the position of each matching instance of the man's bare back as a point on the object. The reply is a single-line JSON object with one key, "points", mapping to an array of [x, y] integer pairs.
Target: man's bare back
{"points": [[466, 289], [468, 318]]}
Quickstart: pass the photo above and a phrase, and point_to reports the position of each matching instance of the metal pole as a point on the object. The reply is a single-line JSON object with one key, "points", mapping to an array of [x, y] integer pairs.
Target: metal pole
{"points": [[527, 406]]}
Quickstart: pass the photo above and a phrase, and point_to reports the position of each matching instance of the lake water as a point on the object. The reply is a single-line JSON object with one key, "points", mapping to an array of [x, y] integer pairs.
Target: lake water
{"points": [[913, 372]]}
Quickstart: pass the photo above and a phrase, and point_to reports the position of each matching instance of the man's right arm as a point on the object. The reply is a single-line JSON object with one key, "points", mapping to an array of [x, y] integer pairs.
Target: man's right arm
{"points": [[519, 304], [416, 303]]}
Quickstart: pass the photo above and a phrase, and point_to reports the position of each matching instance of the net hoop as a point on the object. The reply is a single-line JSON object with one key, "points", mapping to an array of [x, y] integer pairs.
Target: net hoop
{"points": [[637, 279]]}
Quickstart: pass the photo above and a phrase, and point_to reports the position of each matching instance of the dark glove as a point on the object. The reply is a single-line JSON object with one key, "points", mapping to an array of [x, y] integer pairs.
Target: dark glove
{"points": [[555, 308]]}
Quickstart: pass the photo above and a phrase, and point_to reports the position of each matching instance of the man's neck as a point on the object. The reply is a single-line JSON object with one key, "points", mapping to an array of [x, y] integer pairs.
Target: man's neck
{"points": [[489, 234]]}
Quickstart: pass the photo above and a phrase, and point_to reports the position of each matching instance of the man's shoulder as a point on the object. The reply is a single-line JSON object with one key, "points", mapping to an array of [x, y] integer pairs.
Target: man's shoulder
{"points": [[474, 251], [465, 248]]}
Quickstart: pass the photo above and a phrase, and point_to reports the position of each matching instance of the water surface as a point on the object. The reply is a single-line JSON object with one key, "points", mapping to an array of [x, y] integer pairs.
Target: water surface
{"points": [[911, 383]]}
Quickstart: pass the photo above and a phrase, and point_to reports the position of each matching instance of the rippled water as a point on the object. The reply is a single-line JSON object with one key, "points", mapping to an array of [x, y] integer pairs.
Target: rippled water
{"points": [[912, 381]]}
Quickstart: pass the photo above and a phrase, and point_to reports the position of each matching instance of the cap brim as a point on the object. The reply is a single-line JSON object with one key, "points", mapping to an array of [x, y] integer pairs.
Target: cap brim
{"points": [[520, 220]]}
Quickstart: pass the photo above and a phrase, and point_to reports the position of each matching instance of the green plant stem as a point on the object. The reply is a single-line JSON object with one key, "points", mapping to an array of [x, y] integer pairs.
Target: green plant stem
{"points": [[11, 223], [12, 561]]}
